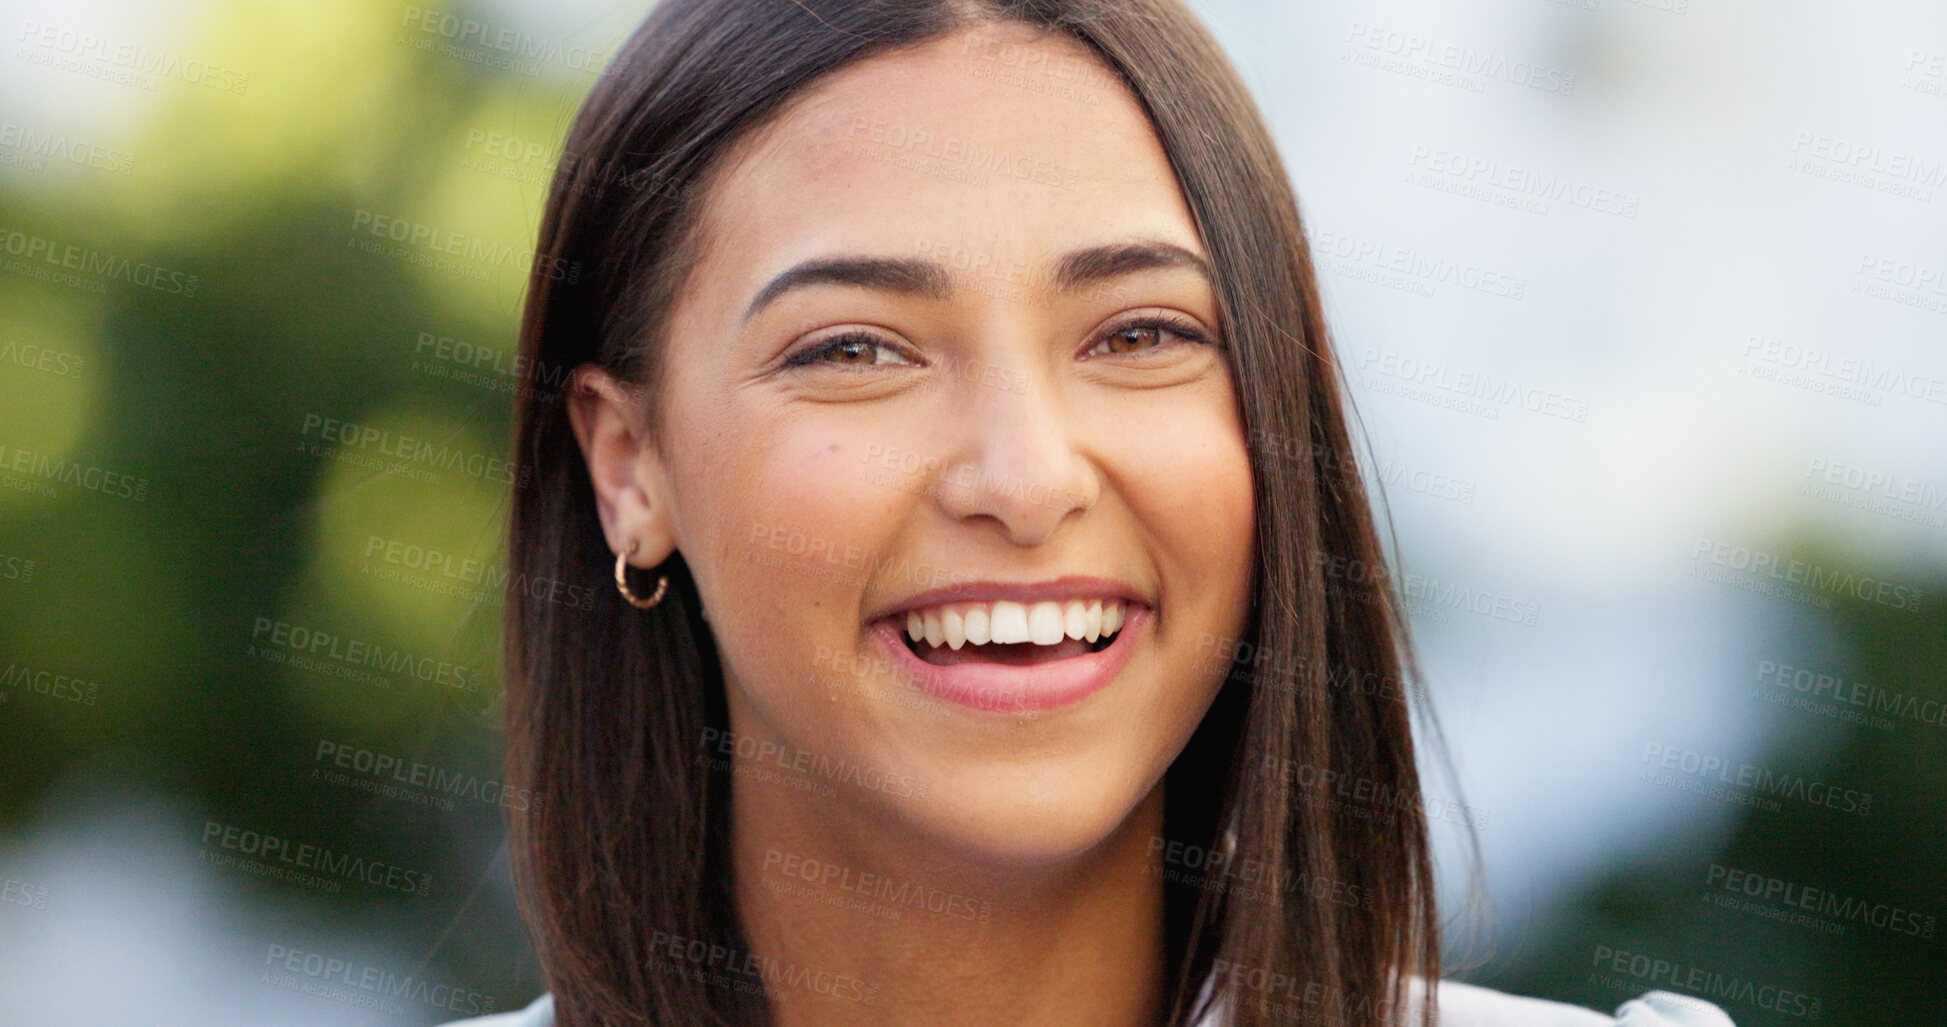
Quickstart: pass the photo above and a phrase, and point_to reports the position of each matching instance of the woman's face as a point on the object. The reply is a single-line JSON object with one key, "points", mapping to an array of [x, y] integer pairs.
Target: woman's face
{"points": [[948, 356]]}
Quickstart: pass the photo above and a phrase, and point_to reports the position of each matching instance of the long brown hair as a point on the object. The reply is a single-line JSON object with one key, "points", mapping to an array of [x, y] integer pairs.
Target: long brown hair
{"points": [[622, 863]]}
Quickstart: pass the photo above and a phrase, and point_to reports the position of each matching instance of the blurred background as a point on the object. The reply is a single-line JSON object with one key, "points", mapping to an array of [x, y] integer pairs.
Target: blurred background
{"points": [[1643, 306]]}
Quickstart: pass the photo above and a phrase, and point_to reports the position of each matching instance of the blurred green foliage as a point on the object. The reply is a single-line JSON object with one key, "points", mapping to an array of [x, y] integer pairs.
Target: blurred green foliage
{"points": [[257, 522]]}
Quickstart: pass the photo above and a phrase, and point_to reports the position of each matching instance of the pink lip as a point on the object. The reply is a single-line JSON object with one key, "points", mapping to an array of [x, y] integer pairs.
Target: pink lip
{"points": [[1017, 689]]}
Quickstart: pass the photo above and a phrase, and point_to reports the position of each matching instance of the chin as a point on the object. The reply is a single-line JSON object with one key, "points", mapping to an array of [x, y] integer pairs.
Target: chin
{"points": [[1025, 814]]}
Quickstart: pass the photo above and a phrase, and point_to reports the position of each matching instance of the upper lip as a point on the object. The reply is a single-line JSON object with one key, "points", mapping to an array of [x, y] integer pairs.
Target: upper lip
{"points": [[1055, 590]]}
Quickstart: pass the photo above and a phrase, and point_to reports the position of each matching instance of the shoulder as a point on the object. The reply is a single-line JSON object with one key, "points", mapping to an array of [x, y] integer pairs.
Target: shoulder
{"points": [[1467, 1005], [538, 1013]]}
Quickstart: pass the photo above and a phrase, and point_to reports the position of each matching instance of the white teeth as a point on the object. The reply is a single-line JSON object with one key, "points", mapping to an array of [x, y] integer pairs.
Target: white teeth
{"points": [[1044, 623], [1074, 619], [977, 630], [1006, 623], [1009, 622]]}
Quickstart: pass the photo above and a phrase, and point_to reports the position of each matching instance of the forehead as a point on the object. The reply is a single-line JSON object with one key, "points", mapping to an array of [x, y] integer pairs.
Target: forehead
{"points": [[965, 147]]}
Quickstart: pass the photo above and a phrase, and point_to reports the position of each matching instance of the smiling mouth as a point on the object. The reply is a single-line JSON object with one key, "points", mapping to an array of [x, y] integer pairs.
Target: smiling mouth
{"points": [[1010, 633]]}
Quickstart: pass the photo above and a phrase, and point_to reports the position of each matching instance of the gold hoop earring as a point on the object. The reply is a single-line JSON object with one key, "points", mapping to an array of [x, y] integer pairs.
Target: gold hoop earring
{"points": [[622, 581]]}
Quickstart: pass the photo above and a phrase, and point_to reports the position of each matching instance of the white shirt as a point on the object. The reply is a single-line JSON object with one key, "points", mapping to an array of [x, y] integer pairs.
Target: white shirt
{"points": [[1461, 1005]]}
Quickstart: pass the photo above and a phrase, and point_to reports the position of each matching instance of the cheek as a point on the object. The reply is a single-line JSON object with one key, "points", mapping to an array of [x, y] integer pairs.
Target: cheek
{"points": [[795, 527], [1191, 487]]}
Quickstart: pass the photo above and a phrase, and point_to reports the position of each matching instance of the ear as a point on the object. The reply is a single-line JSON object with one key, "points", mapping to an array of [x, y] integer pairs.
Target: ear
{"points": [[632, 493]]}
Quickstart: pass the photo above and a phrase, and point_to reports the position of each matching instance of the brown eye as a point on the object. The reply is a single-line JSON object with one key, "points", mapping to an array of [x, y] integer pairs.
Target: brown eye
{"points": [[854, 349], [1123, 340], [1145, 335]]}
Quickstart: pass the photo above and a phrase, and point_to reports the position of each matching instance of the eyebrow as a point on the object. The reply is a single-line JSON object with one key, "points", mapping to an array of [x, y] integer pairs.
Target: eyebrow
{"points": [[914, 276]]}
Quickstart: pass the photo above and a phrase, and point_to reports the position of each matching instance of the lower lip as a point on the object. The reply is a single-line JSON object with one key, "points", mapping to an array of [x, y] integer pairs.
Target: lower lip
{"points": [[1017, 688]]}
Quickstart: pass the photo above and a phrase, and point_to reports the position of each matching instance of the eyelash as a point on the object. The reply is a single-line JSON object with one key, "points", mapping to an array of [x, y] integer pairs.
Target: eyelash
{"points": [[809, 354], [1162, 322], [1174, 325]]}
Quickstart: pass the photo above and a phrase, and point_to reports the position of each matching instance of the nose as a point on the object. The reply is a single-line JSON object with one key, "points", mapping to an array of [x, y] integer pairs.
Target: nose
{"points": [[1018, 464]]}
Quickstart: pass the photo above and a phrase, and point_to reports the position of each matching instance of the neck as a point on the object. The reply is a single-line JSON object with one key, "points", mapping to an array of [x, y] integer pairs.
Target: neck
{"points": [[874, 926]]}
